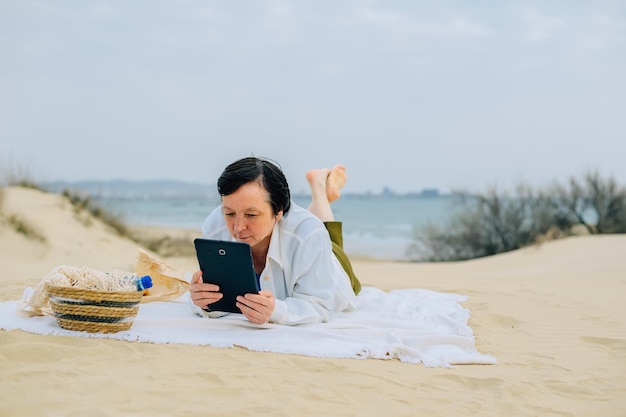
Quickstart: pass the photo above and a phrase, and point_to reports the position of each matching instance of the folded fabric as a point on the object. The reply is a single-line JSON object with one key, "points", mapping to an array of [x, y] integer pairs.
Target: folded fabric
{"points": [[410, 325]]}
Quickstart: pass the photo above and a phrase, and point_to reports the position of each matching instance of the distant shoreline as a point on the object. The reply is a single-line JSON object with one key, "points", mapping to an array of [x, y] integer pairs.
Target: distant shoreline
{"points": [[130, 189]]}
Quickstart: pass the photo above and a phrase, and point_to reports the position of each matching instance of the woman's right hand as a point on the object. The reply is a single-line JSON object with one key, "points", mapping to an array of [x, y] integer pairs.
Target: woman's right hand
{"points": [[203, 294]]}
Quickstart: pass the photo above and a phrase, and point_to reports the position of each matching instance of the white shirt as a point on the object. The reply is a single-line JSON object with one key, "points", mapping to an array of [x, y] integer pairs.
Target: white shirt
{"points": [[308, 282]]}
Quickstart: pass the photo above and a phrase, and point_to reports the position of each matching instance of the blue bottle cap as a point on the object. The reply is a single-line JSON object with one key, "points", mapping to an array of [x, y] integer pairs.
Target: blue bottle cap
{"points": [[145, 282]]}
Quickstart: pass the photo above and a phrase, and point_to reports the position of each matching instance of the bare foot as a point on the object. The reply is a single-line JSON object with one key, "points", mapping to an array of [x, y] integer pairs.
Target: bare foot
{"points": [[317, 179], [335, 182], [327, 180]]}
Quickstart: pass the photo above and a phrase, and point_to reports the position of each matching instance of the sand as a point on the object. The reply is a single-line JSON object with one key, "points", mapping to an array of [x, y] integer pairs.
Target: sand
{"points": [[554, 316]]}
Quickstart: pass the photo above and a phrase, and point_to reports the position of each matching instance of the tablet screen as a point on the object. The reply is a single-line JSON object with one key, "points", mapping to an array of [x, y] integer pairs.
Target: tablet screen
{"points": [[229, 265]]}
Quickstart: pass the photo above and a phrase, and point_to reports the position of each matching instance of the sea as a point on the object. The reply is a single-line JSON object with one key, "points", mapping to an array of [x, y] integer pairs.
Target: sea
{"points": [[374, 226]]}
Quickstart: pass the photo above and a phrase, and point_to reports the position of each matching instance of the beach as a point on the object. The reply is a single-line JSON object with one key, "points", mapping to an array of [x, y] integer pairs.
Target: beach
{"points": [[553, 316]]}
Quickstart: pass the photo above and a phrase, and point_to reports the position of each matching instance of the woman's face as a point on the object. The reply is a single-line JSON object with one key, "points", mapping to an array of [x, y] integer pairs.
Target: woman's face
{"points": [[249, 215]]}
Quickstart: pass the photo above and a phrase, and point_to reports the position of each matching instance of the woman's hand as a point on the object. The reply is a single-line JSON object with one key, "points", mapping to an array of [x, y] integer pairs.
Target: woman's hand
{"points": [[257, 307], [202, 294]]}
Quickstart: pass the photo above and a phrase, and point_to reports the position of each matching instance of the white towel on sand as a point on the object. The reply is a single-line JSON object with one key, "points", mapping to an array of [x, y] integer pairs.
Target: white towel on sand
{"points": [[411, 325]]}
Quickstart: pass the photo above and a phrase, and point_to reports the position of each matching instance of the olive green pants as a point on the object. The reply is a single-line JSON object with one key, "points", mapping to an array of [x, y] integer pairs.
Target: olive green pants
{"points": [[336, 237]]}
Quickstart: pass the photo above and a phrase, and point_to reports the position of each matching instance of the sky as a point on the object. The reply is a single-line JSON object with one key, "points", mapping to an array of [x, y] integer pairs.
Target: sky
{"points": [[406, 94]]}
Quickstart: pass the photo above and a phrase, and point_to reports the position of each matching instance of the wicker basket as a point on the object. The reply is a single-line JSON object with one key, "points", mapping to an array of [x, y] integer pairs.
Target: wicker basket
{"points": [[93, 311]]}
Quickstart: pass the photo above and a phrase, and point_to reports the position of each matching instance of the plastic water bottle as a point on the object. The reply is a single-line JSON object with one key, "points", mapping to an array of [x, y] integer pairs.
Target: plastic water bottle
{"points": [[143, 283], [140, 283]]}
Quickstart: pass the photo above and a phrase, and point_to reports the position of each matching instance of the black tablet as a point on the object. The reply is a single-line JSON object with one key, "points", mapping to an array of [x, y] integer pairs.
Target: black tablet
{"points": [[229, 265]]}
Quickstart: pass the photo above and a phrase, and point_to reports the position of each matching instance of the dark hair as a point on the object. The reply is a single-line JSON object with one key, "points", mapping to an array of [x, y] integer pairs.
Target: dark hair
{"points": [[251, 169]]}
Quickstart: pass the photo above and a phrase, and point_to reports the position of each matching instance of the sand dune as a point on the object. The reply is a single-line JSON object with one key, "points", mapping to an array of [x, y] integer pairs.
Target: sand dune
{"points": [[554, 316]]}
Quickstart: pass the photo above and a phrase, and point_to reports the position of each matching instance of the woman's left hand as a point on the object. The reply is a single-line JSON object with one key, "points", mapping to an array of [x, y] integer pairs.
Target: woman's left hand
{"points": [[257, 307]]}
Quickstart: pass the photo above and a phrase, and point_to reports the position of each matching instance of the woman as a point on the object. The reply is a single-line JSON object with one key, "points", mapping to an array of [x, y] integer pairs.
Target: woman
{"points": [[303, 272]]}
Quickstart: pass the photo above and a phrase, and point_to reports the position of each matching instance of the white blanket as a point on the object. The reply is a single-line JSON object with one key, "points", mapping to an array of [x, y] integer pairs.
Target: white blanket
{"points": [[411, 325]]}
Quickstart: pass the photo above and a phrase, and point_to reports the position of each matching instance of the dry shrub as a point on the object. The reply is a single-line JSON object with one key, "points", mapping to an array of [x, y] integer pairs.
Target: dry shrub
{"points": [[593, 197], [495, 222], [85, 204], [23, 227]]}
